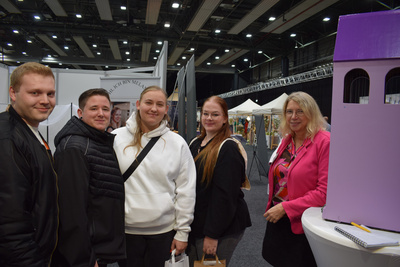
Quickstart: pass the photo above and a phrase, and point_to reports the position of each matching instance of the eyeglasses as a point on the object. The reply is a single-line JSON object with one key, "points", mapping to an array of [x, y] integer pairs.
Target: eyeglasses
{"points": [[211, 115], [298, 113]]}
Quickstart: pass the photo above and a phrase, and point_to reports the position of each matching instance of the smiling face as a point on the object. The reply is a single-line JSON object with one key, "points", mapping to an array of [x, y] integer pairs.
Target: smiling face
{"points": [[96, 112], [117, 115], [152, 108], [296, 118], [212, 117], [35, 98]]}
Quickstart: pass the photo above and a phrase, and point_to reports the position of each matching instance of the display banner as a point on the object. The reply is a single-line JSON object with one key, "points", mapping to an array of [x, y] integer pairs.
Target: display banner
{"points": [[191, 100], [127, 89]]}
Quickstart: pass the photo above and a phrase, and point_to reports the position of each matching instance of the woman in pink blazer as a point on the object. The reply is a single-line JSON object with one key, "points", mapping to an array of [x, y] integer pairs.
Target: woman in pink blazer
{"points": [[298, 180]]}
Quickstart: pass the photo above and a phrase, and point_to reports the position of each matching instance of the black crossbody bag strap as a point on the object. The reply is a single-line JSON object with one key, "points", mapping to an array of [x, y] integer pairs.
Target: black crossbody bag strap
{"points": [[139, 158]]}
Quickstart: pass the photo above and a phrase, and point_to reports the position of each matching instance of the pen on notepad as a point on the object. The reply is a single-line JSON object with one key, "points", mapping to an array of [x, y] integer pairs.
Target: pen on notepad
{"points": [[361, 227]]}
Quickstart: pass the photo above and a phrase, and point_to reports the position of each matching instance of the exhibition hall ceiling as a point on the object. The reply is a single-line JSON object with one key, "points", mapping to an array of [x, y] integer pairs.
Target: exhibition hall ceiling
{"points": [[115, 34]]}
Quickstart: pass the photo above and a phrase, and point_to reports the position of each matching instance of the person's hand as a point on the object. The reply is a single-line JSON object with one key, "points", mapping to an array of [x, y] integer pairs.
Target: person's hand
{"points": [[210, 245], [95, 264], [179, 246], [275, 213]]}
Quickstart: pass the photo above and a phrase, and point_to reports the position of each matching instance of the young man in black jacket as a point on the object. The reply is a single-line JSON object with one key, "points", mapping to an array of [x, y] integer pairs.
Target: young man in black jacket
{"points": [[91, 231], [28, 183]]}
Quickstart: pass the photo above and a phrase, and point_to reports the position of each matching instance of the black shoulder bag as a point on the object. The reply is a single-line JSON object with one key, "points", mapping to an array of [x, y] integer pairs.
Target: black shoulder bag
{"points": [[139, 158]]}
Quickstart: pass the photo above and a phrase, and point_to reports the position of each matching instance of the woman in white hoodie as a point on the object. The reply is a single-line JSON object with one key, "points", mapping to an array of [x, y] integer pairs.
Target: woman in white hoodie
{"points": [[160, 193]]}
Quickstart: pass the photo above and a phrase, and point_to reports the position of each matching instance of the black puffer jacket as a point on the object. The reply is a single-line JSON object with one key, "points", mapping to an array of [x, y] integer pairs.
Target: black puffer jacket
{"points": [[91, 197], [28, 196]]}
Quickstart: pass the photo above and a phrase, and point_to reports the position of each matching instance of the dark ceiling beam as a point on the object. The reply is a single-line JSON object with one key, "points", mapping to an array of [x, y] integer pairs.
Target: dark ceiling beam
{"points": [[112, 63], [137, 34]]}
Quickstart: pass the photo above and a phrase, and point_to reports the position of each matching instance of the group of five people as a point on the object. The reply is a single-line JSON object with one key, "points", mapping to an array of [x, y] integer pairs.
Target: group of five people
{"points": [[103, 200]]}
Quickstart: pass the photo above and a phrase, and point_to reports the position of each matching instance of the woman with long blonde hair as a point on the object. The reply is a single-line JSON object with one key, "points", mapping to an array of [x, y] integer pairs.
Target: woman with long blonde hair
{"points": [[298, 180], [115, 122], [160, 193]]}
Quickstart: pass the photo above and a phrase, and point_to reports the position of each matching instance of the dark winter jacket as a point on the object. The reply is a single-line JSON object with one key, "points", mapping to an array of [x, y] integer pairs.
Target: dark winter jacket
{"points": [[28, 196], [91, 197]]}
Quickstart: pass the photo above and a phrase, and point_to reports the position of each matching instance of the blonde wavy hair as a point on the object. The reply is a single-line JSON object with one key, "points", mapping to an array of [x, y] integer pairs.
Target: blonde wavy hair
{"points": [[316, 121]]}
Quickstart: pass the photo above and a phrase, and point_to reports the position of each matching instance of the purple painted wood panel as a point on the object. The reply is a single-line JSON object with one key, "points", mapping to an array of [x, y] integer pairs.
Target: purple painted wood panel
{"points": [[364, 163], [363, 36]]}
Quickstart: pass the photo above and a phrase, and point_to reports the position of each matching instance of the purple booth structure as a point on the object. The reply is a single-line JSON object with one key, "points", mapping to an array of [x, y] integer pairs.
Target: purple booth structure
{"points": [[364, 163]]}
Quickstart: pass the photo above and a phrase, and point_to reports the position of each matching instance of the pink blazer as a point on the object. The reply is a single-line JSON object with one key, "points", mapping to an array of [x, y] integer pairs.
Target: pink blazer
{"points": [[307, 178]]}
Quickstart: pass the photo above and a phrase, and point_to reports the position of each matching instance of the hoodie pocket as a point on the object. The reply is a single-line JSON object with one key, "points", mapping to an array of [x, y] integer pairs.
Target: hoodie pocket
{"points": [[149, 210]]}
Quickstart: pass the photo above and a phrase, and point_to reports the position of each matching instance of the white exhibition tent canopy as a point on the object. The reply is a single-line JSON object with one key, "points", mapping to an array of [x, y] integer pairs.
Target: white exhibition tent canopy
{"points": [[244, 109], [273, 107]]}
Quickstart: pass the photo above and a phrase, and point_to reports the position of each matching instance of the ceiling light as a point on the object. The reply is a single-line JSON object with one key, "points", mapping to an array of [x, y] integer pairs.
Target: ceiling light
{"points": [[79, 16], [128, 59], [208, 63], [272, 18], [127, 53], [167, 24], [326, 19], [37, 17], [293, 35], [60, 64], [98, 53], [15, 31], [246, 59], [183, 57], [157, 51], [175, 5], [106, 67], [54, 36], [29, 41], [9, 44], [260, 52], [217, 57], [226, 50], [178, 64], [94, 45], [217, 31], [249, 35], [24, 53], [66, 47], [154, 57], [159, 43], [123, 7], [233, 65], [125, 42], [192, 49]]}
